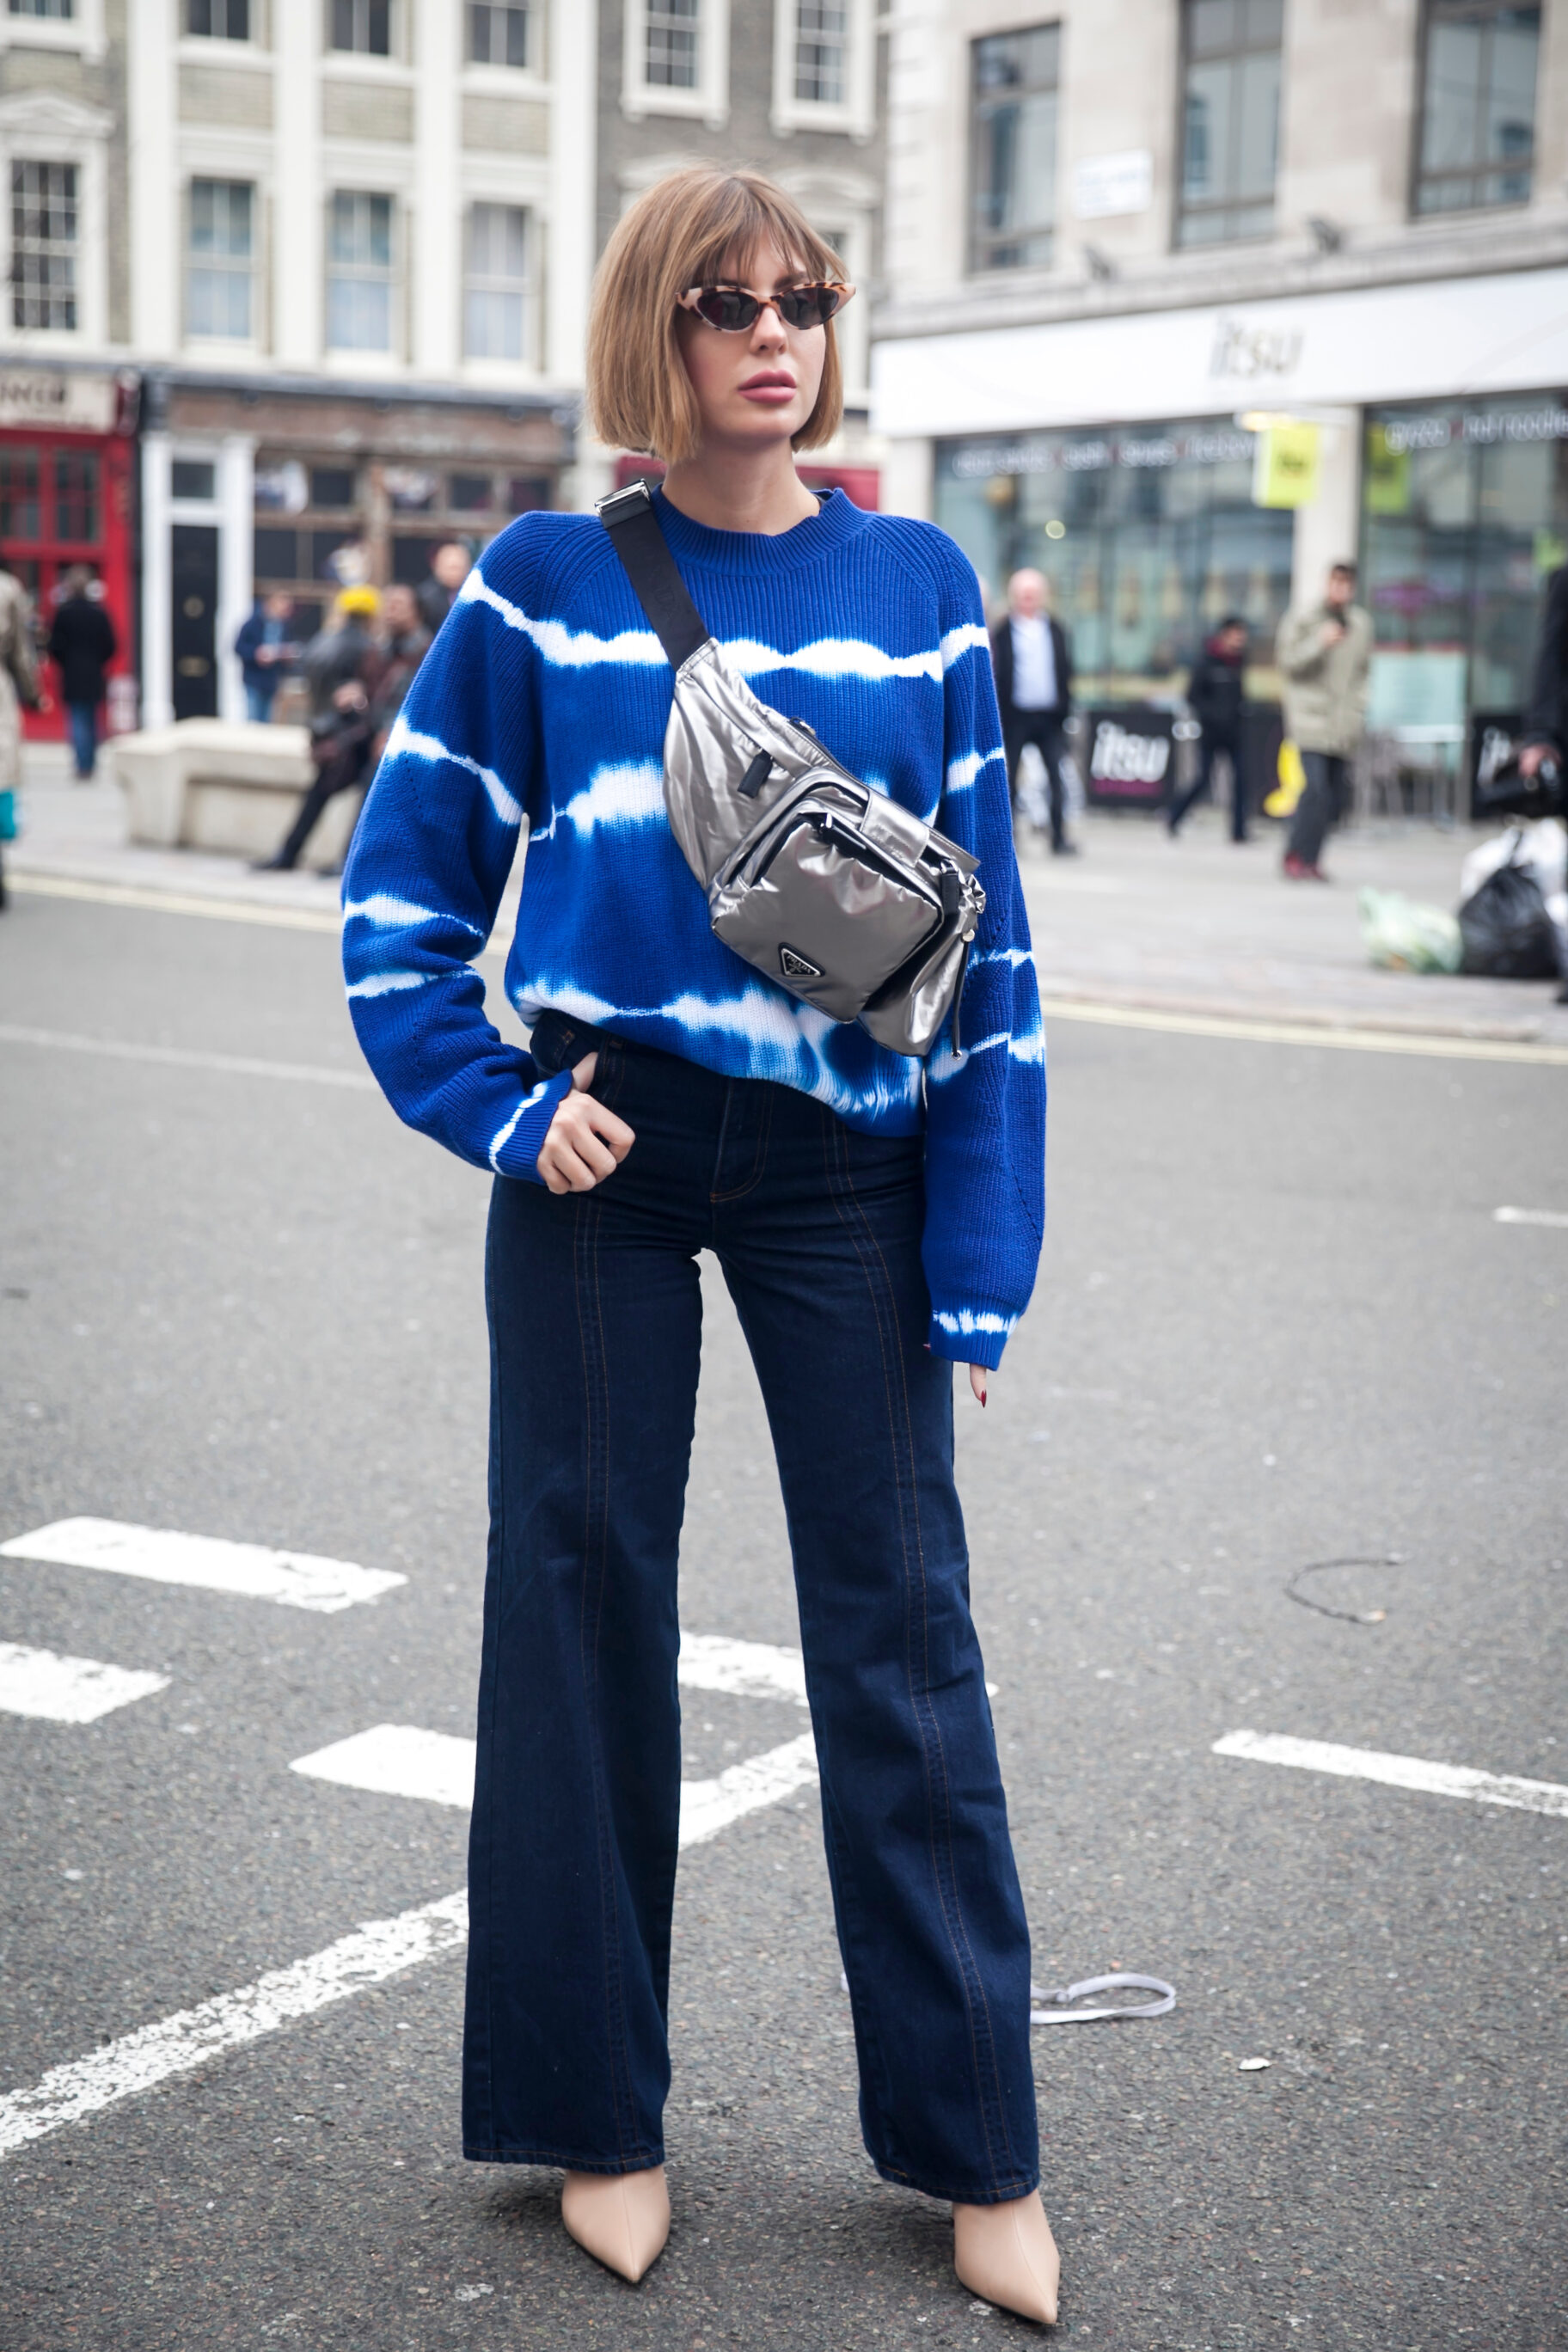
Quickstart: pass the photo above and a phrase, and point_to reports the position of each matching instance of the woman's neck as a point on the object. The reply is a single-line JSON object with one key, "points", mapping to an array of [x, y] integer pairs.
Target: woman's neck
{"points": [[740, 490]]}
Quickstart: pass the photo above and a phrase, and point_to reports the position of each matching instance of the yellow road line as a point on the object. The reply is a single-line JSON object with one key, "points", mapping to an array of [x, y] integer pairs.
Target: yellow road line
{"points": [[1302, 1033]]}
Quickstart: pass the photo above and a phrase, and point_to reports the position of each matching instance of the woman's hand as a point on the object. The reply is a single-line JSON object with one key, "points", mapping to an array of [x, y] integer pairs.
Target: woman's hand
{"points": [[977, 1381], [584, 1142]]}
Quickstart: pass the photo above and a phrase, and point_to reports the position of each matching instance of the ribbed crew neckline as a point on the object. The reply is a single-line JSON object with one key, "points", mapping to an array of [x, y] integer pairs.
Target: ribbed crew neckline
{"points": [[757, 552]]}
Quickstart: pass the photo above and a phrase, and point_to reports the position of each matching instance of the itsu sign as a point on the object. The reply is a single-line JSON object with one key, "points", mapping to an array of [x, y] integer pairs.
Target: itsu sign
{"points": [[1131, 756]]}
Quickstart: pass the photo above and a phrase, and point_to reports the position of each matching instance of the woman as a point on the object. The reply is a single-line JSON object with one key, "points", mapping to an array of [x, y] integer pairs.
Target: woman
{"points": [[875, 1219]]}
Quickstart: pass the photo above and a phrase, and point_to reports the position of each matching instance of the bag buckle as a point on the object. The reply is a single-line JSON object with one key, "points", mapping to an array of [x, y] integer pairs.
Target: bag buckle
{"points": [[621, 505]]}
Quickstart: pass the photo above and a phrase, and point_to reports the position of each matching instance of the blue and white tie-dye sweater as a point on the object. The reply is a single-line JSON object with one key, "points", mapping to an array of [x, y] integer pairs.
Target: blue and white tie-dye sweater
{"points": [[544, 700]]}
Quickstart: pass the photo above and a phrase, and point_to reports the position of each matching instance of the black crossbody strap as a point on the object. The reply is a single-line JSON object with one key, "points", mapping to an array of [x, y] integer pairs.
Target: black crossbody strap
{"points": [[635, 534]]}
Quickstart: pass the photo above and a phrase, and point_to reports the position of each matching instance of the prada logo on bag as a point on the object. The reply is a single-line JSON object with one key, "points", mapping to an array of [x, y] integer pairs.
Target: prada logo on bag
{"points": [[798, 967]]}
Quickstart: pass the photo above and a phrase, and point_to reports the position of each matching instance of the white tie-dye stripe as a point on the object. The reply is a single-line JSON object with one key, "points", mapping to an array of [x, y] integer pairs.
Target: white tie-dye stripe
{"points": [[388, 983], [970, 638], [563, 647], [830, 658], [403, 743], [962, 773], [966, 1325], [389, 914], [631, 794], [503, 1136]]}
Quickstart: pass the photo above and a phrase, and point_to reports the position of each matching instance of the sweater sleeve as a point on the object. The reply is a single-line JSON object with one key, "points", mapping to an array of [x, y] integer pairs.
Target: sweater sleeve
{"points": [[985, 1106], [425, 877]]}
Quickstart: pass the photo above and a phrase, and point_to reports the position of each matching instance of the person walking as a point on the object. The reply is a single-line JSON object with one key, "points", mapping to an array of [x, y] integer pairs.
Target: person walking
{"points": [[82, 644], [877, 1222], [342, 664], [18, 688], [1214, 697], [449, 567], [1033, 664], [1544, 734], [267, 651], [1325, 658]]}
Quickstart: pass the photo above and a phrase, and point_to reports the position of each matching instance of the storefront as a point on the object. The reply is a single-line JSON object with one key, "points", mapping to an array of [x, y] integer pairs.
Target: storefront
{"points": [[1116, 453], [300, 486], [66, 490]]}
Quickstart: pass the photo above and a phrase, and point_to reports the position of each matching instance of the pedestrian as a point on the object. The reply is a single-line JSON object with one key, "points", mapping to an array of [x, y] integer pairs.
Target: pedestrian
{"points": [[267, 652], [400, 647], [341, 666], [1325, 658], [1544, 734], [82, 644], [1215, 697], [450, 566], [18, 688], [1033, 662], [875, 1223]]}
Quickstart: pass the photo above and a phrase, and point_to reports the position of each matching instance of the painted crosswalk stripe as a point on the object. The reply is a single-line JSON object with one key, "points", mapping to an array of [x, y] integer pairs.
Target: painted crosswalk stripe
{"points": [[62, 1689], [1397, 1771], [298, 1580], [138, 2062], [397, 1760], [712, 1662], [1555, 1217]]}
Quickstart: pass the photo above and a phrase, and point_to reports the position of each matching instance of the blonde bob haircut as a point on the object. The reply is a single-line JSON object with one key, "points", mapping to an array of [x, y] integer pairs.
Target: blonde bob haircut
{"points": [[679, 233]]}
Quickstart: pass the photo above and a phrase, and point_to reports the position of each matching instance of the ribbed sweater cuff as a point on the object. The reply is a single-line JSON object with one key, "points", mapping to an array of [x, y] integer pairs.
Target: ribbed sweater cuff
{"points": [[515, 1151], [971, 1334]]}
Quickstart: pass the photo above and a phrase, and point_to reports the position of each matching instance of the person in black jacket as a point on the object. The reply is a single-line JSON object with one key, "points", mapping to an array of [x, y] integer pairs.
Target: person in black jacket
{"points": [[1033, 662], [342, 664], [82, 643], [1214, 697], [1544, 735]]}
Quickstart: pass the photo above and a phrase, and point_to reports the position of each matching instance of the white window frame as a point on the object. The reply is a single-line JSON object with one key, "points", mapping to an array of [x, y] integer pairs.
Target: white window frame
{"points": [[480, 366], [505, 76], [857, 113], [214, 47], [81, 35], [393, 360], [709, 101], [45, 126], [232, 346]]}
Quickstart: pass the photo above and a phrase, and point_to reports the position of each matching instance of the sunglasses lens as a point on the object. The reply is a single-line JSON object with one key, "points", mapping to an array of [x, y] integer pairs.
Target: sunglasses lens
{"points": [[725, 308], [809, 306]]}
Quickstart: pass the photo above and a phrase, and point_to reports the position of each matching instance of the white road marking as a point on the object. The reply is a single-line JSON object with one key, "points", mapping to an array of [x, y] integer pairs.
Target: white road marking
{"points": [[709, 1806], [1258, 1031], [1558, 1217], [1396, 1771], [395, 1760], [300, 1579], [138, 2060], [713, 1661], [68, 1690], [181, 1057]]}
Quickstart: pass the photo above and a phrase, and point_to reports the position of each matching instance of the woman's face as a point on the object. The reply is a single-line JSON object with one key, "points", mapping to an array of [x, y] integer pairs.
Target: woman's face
{"points": [[758, 386]]}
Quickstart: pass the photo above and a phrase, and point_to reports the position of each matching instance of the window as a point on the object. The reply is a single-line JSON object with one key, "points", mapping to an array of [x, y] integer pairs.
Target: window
{"points": [[193, 477], [332, 485], [1012, 147], [218, 20], [218, 266], [821, 42], [1477, 105], [359, 272], [670, 33], [497, 37], [44, 232], [362, 26], [20, 515], [495, 284], [62, 11], [77, 503], [1230, 119]]}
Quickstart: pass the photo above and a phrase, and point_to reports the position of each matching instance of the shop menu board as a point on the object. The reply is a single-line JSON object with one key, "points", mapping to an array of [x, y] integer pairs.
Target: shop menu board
{"points": [[1128, 751]]}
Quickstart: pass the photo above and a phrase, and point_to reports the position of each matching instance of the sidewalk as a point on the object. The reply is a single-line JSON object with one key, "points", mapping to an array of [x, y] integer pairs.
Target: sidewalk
{"points": [[1194, 927]]}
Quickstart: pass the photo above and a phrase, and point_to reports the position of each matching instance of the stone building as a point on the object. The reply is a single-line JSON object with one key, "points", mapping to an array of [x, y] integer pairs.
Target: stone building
{"points": [[1186, 297], [792, 88]]}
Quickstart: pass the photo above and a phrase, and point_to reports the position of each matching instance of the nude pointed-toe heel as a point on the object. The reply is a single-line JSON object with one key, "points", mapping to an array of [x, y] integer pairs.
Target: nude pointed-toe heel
{"points": [[1007, 2254], [622, 2219]]}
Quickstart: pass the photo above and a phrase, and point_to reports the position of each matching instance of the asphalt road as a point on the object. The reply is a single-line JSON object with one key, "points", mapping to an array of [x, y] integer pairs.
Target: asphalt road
{"points": [[1277, 1324]]}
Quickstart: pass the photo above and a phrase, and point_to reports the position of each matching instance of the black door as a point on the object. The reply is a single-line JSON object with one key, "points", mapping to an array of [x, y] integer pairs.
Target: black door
{"points": [[194, 595]]}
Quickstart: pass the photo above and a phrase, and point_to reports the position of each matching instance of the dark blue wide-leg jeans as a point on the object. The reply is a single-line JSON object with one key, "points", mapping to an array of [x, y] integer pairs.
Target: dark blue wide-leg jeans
{"points": [[595, 1316]]}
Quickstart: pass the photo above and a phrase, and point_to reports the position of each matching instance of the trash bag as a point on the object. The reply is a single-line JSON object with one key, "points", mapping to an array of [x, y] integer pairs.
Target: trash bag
{"points": [[1507, 933], [1403, 935]]}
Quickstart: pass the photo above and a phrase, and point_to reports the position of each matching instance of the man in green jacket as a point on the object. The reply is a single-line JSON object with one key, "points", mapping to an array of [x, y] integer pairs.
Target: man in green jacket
{"points": [[1324, 655]]}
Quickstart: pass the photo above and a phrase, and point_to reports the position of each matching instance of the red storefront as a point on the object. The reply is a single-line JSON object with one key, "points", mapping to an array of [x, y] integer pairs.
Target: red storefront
{"points": [[67, 496]]}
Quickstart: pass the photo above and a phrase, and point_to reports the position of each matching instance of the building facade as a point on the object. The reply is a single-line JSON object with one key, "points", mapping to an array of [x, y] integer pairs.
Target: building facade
{"points": [[791, 87], [1148, 259]]}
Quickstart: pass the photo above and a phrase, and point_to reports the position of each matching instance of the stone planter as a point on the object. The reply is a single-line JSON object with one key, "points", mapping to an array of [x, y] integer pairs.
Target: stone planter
{"points": [[224, 784]]}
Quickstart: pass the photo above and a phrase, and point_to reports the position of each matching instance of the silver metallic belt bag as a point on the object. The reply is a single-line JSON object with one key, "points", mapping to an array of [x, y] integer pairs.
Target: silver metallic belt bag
{"points": [[830, 889]]}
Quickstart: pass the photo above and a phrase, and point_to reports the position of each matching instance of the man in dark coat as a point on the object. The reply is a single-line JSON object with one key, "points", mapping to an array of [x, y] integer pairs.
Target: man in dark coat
{"points": [[1215, 697], [82, 644], [449, 567], [1544, 735], [342, 664], [1033, 662]]}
